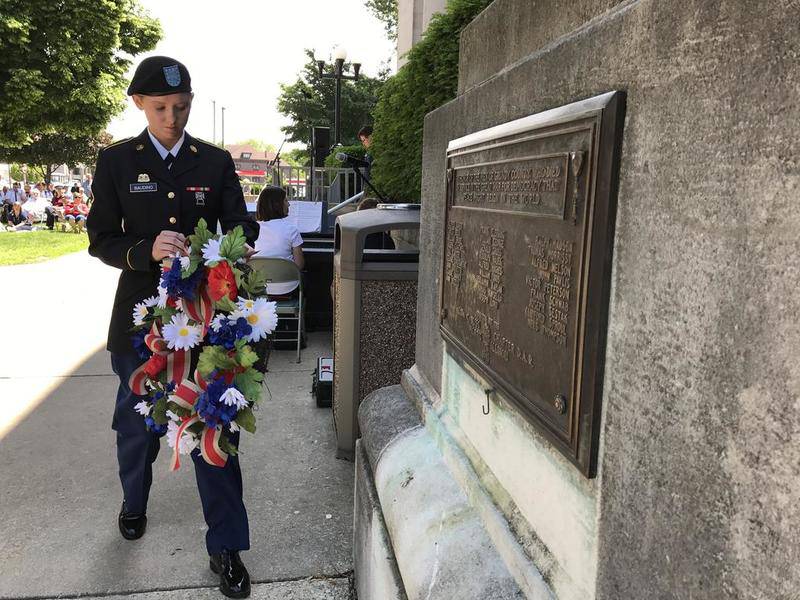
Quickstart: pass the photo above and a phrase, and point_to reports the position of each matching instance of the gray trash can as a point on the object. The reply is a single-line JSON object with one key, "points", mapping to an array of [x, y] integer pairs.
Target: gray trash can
{"points": [[375, 311]]}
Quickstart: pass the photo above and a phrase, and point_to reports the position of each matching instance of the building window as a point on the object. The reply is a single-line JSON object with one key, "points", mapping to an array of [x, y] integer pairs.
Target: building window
{"points": [[246, 154]]}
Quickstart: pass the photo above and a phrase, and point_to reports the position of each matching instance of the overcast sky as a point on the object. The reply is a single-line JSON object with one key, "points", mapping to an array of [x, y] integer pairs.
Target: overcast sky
{"points": [[238, 52]]}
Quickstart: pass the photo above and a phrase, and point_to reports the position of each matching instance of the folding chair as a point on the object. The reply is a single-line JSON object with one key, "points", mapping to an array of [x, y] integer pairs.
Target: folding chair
{"points": [[281, 270]]}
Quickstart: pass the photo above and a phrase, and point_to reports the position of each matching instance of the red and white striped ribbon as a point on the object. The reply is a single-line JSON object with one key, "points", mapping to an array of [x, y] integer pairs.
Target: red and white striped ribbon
{"points": [[209, 447], [175, 464]]}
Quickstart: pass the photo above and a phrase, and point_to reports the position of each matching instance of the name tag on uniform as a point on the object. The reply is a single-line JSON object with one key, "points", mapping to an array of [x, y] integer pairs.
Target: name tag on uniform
{"points": [[144, 187]]}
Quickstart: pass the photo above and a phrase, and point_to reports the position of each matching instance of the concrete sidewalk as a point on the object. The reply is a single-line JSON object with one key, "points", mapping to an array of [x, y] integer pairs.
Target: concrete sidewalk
{"points": [[60, 495]]}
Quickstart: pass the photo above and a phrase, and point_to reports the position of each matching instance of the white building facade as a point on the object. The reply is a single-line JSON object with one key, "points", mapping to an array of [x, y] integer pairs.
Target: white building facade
{"points": [[413, 17]]}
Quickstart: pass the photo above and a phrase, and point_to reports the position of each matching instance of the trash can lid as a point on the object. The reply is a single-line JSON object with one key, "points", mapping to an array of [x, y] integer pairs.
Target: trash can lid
{"points": [[399, 206], [352, 230]]}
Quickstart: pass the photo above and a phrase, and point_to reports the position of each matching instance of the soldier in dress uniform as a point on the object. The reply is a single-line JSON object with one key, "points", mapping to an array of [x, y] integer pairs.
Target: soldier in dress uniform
{"points": [[149, 193]]}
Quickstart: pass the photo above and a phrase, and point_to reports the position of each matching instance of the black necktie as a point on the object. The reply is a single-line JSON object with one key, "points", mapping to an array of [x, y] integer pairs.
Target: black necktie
{"points": [[168, 160]]}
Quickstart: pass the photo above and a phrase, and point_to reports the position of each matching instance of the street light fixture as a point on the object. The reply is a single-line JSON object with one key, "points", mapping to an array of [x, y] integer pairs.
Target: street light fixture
{"points": [[339, 56]]}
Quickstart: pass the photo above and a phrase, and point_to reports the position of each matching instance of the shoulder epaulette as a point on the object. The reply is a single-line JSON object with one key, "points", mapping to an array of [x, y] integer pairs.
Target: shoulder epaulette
{"points": [[118, 143], [202, 141]]}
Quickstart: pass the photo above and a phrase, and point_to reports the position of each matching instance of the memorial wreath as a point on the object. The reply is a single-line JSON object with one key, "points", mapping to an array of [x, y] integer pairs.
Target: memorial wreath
{"points": [[210, 303]]}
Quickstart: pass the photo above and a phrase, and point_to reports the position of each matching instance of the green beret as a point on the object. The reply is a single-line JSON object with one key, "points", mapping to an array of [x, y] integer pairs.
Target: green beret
{"points": [[159, 76]]}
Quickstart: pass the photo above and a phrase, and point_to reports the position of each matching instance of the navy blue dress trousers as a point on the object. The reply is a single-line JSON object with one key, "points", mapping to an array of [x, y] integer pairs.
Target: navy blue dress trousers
{"points": [[220, 488]]}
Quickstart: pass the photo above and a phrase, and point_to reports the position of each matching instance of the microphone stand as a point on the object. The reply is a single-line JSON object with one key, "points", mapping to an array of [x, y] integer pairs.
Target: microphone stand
{"points": [[368, 182]]}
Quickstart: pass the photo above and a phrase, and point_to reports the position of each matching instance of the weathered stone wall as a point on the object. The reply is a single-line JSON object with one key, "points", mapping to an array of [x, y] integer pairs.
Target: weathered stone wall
{"points": [[517, 29], [699, 478]]}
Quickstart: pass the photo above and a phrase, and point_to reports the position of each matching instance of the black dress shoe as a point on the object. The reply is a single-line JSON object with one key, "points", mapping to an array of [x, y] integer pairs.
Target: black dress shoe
{"points": [[131, 525], [234, 580]]}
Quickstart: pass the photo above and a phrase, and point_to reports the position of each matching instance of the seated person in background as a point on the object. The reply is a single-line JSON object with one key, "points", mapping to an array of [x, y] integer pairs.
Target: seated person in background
{"points": [[75, 212], [5, 206], [18, 219], [56, 210], [36, 205], [278, 236]]}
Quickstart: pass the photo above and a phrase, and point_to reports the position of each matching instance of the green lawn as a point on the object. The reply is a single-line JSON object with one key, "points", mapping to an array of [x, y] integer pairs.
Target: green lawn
{"points": [[20, 247]]}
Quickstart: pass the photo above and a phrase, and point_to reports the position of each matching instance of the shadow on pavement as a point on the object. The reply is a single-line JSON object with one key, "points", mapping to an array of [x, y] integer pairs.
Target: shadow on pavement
{"points": [[60, 494]]}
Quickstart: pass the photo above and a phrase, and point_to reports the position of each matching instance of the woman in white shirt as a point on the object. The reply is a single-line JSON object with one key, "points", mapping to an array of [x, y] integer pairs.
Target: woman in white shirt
{"points": [[278, 236]]}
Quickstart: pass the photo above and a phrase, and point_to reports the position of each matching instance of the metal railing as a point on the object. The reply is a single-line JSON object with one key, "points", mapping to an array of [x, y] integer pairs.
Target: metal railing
{"points": [[332, 184]]}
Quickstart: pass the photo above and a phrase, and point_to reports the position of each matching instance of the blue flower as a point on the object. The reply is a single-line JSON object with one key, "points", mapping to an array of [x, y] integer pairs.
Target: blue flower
{"points": [[152, 426], [176, 286], [243, 328], [229, 332], [137, 339], [211, 409]]}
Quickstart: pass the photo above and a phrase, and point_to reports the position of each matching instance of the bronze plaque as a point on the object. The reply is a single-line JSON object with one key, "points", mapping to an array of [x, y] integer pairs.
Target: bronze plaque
{"points": [[527, 263]]}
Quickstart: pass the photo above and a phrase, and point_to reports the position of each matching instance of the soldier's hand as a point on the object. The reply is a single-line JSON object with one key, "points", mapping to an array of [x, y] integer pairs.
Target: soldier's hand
{"points": [[249, 251], [168, 243]]}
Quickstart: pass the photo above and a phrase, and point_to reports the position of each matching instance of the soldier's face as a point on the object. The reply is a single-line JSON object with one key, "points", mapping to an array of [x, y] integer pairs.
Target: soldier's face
{"points": [[166, 115]]}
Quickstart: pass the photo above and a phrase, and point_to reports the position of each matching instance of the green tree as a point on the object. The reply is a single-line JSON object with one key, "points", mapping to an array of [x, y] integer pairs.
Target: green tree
{"points": [[61, 67], [386, 12], [424, 83], [259, 145], [308, 102], [295, 157], [46, 152]]}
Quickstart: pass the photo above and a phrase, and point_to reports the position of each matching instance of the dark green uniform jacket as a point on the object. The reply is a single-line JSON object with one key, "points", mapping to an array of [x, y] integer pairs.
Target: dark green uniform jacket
{"points": [[136, 197]]}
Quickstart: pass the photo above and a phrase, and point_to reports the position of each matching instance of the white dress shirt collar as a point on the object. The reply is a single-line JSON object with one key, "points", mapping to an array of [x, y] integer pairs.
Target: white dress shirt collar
{"points": [[160, 147]]}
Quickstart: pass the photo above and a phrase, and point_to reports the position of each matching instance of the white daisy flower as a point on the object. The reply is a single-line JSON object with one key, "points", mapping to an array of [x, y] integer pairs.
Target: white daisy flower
{"points": [[139, 313], [172, 416], [233, 397], [185, 262], [188, 441], [218, 321], [245, 304], [143, 408], [163, 296], [233, 426], [151, 301], [179, 334], [263, 318], [211, 250]]}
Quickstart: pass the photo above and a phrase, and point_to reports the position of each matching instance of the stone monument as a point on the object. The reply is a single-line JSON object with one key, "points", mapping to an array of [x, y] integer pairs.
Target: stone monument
{"points": [[606, 397]]}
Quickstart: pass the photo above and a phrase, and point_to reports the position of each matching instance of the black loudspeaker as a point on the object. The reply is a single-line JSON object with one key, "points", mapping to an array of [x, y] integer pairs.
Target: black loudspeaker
{"points": [[321, 144]]}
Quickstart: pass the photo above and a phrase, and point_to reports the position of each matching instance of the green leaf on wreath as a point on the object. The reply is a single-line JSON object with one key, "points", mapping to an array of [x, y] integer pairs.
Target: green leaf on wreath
{"points": [[246, 420], [237, 274], [225, 304], [165, 314], [201, 235], [214, 357], [256, 283], [249, 383], [227, 447], [194, 262], [232, 246], [246, 357], [178, 410], [159, 413]]}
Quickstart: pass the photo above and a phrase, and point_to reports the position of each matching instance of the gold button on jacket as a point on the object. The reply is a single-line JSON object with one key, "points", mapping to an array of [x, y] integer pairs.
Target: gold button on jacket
{"points": [[173, 220], [171, 195]]}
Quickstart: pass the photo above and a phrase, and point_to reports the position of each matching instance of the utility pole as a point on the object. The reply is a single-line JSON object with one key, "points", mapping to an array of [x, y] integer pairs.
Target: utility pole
{"points": [[222, 143]]}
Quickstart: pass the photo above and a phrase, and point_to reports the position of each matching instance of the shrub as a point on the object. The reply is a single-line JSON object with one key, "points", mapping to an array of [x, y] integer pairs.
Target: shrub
{"points": [[427, 81]]}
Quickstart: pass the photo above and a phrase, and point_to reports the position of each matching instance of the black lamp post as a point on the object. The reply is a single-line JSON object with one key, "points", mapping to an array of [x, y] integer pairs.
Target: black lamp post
{"points": [[339, 56]]}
